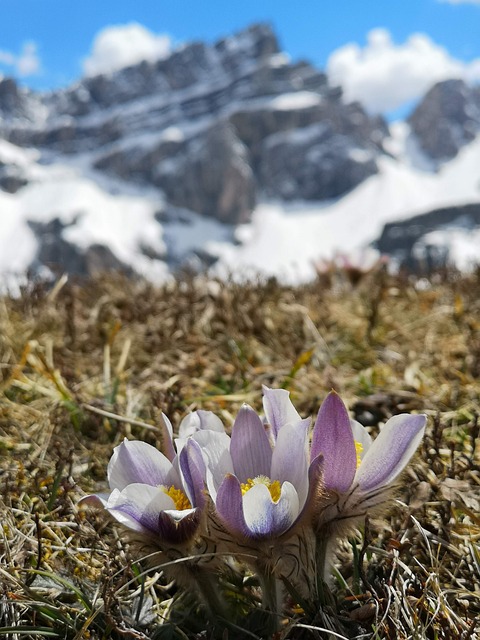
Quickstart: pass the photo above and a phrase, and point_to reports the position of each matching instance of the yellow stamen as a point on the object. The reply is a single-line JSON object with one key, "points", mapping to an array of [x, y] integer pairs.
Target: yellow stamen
{"points": [[359, 450], [273, 486], [179, 498]]}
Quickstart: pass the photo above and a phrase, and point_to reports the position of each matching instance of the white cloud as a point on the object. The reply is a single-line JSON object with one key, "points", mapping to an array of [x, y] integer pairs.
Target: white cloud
{"points": [[26, 63], [385, 76], [120, 46]]}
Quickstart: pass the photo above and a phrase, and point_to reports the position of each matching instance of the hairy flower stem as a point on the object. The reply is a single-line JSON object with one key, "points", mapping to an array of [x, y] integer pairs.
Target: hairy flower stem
{"points": [[208, 591], [323, 594], [270, 595]]}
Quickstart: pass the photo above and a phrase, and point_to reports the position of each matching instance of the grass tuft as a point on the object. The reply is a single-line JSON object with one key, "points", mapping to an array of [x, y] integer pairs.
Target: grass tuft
{"points": [[84, 365]]}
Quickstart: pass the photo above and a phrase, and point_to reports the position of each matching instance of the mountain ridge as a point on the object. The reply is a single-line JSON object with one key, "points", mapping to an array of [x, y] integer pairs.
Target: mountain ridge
{"points": [[197, 141]]}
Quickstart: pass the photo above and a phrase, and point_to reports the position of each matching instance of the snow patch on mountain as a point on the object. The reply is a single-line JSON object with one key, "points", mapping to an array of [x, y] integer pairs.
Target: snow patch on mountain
{"points": [[283, 239], [286, 240]]}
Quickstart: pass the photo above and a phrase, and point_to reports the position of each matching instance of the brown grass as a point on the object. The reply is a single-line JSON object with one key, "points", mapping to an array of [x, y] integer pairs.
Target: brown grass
{"points": [[83, 365]]}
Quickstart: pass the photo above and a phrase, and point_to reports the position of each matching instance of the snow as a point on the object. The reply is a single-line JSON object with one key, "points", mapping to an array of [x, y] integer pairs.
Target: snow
{"points": [[296, 100], [463, 246], [99, 211], [284, 240], [11, 154]]}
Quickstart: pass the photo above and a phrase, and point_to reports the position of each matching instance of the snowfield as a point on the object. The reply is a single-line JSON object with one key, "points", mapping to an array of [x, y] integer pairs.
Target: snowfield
{"points": [[281, 240]]}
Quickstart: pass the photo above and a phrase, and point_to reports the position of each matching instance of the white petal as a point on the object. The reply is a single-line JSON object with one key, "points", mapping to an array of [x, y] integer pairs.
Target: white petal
{"points": [[290, 457], [96, 500], [215, 448], [278, 408], [391, 451], [199, 421], [138, 462], [138, 506], [267, 518], [361, 435]]}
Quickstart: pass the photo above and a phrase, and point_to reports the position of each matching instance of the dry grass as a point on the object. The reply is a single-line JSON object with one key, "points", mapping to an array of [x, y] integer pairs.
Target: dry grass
{"points": [[83, 366]]}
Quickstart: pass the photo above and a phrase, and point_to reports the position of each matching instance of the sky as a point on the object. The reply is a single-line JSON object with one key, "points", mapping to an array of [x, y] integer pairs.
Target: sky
{"points": [[385, 54]]}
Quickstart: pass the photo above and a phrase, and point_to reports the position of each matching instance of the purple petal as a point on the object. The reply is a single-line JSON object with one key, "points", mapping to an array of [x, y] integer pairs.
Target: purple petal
{"points": [[229, 504], [138, 506], [266, 518], [177, 527], [315, 478], [289, 459], [279, 409], [192, 466], [333, 438], [138, 462], [150, 510], [199, 420], [250, 448], [390, 451]]}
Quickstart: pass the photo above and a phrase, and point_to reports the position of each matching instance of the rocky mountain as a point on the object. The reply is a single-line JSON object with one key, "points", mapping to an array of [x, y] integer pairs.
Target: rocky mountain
{"points": [[415, 242], [233, 119], [148, 166], [447, 119]]}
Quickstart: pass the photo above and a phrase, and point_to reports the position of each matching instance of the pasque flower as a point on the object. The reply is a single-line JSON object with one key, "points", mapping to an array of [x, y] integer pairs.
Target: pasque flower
{"points": [[357, 471], [259, 478], [159, 494], [153, 495], [262, 492]]}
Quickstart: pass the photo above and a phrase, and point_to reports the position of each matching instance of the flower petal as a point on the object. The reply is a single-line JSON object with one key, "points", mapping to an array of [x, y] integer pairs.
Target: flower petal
{"points": [[289, 458], [249, 447], [176, 527], [138, 506], [361, 435], [229, 504], [215, 449], [390, 451], [199, 420], [266, 518], [333, 438], [95, 500], [138, 462], [278, 408], [192, 467], [166, 437]]}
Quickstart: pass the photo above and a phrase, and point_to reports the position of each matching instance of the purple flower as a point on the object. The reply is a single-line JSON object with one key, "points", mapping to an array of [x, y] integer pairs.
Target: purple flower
{"points": [[151, 494], [259, 479], [356, 468]]}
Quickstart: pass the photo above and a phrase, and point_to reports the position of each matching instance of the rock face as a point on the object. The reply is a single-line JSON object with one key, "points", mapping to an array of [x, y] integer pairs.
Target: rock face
{"points": [[447, 118], [57, 254], [402, 239], [12, 178], [217, 180], [313, 163], [190, 144], [212, 126]]}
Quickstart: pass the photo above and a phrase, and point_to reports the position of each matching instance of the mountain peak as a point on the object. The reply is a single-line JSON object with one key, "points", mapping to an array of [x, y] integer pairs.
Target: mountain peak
{"points": [[447, 118], [199, 140]]}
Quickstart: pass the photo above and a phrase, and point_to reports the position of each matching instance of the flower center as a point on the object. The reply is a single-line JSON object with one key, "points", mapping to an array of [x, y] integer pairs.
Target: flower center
{"points": [[359, 450], [272, 485], [179, 498]]}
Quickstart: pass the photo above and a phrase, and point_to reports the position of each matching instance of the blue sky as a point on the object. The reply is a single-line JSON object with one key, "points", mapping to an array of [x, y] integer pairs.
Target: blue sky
{"points": [[45, 42]]}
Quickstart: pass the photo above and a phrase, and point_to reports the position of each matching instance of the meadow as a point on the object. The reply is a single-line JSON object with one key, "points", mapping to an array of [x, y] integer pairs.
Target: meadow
{"points": [[85, 364]]}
